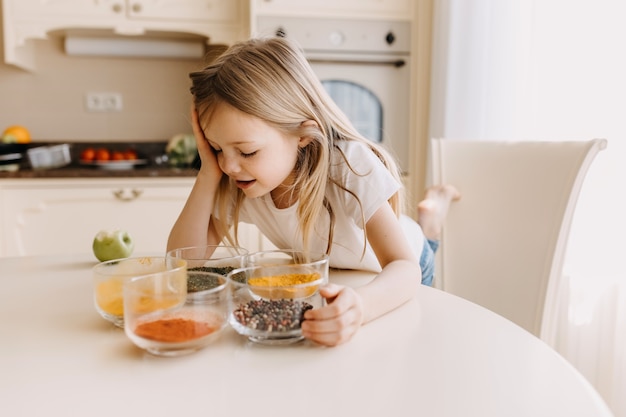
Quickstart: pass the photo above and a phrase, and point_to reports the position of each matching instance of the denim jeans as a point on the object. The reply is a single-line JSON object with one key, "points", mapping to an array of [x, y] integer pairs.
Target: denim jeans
{"points": [[427, 261]]}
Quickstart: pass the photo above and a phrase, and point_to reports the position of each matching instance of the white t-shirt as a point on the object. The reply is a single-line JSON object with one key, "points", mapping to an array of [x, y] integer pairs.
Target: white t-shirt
{"points": [[374, 186]]}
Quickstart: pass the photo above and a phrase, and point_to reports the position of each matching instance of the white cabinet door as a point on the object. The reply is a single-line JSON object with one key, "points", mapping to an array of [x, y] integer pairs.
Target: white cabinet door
{"points": [[43, 217], [64, 218], [51, 8], [204, 10]]}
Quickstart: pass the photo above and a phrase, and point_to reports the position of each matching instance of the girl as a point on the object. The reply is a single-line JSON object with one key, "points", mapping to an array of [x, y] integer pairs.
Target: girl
{"points": [[276, 151]]}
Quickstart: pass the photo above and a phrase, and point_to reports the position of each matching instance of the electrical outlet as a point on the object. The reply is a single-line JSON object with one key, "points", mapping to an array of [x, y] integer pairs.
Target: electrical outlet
{"points": [[103, 102]]}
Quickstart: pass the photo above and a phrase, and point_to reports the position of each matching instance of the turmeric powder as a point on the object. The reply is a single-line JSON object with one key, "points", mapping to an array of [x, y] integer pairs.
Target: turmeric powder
{"points": [[109, 296], [274, 287], [283, 280]]}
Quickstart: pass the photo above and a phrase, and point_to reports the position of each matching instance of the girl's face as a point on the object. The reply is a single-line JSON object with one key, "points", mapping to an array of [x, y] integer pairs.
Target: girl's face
{"points": [[260, 158]]}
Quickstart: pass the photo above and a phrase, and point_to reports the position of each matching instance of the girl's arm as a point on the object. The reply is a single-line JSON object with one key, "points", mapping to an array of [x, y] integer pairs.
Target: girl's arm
{"points": [[401, 274], [396, 284], [194, 226]]}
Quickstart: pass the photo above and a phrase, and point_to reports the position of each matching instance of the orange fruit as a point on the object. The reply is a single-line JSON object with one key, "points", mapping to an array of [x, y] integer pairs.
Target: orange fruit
{"points": [[16, 134]]}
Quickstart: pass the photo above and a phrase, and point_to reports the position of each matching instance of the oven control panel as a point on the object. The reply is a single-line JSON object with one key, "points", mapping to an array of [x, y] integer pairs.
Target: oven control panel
{"points": [[346, 35]]}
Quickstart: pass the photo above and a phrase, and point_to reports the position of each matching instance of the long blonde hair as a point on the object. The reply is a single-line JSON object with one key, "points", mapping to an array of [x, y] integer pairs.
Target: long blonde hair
{"points": [[271, 79]]}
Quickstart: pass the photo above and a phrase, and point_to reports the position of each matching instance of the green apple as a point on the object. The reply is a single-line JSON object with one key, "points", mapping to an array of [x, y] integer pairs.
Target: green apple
{"points": [[113, 244]]}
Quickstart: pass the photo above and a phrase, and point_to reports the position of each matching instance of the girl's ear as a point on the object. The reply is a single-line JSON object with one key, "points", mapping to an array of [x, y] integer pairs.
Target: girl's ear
{"points": [[305, 140]]}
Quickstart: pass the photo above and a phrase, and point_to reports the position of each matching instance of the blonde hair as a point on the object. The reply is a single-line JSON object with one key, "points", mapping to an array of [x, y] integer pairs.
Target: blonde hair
{"points": [[272, 80]]}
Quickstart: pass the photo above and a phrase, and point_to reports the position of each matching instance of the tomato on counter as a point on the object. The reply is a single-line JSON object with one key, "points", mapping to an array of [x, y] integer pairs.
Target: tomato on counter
{"points": [[117, 156], [130, 155], [103, 154], [88, 154]]}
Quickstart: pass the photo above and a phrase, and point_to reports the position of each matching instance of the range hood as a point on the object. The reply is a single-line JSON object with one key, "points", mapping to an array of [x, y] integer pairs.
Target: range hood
{"points": [[82, 45], [158, 29]]}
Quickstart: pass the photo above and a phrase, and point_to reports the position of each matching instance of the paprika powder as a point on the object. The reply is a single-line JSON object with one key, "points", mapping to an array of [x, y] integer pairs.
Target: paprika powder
{"points": [[174, 330]]}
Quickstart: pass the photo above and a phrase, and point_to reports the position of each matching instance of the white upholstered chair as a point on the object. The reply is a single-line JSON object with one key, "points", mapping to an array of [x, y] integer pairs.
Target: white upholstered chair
{"points": [[504, 242]]}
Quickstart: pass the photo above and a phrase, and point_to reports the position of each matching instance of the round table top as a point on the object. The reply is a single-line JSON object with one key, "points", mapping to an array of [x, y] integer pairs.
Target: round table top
{"points": [[437, 355]]}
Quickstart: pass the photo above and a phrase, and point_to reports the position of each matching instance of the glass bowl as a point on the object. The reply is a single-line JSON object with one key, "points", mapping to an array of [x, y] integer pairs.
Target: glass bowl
{"points": [[220, 259], [267, 302], [162, 318], [109, 278], [316, 260]]}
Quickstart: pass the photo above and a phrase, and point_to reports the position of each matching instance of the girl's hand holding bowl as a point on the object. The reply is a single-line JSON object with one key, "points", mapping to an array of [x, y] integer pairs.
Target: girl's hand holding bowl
{"points": [[268, 297]]}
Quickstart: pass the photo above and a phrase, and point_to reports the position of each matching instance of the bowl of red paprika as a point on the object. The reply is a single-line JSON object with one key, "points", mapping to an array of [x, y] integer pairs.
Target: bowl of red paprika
{"points": [[161, 317]]}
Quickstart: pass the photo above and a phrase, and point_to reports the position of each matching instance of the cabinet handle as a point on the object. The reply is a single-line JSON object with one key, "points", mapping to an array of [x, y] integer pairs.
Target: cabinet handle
{"points": [[122, 195], [117, 8], [136, 7]]}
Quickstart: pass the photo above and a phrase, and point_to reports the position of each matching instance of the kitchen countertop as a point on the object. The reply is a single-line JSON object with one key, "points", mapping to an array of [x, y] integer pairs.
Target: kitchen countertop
{"points": [[152, 152], [74, 171]]}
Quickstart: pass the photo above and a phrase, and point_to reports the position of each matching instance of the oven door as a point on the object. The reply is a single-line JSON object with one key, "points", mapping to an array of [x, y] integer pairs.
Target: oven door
{"points": [[375, 95]]}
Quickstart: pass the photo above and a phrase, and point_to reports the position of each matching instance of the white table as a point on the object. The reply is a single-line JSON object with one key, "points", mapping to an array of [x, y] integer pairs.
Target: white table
{"points": [[438, 355]]}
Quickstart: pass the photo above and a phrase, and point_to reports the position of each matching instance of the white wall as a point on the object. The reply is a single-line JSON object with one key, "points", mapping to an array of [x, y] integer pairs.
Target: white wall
{"points": [[50, 100]]}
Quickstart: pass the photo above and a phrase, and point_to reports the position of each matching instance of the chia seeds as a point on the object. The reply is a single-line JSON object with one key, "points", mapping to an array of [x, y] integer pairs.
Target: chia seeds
{"points": [[272, 315], [201, 282]]}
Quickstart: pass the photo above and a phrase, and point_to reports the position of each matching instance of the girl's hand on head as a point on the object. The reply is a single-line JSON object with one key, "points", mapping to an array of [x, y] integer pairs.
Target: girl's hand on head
{"points": [[207, 155], [336, 322]]}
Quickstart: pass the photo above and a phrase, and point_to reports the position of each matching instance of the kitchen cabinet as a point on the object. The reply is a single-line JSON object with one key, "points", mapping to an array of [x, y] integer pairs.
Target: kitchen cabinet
{"points": [[114, 11], [370, 9], [222, 21], [56, 216]]}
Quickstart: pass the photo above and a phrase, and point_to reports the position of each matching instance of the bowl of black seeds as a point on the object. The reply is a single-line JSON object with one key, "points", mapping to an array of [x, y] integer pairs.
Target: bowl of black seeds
{"points": [[206, 286], [203, 278], [267, 303], [206, 263]]}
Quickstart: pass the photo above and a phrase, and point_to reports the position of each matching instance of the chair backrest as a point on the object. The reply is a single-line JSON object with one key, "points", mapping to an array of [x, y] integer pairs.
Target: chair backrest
{"points": [[504, 242]]}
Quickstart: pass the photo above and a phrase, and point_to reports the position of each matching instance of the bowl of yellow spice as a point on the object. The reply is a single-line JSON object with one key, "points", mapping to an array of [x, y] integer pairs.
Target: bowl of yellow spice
{"points": [[109, 278], [268, 297]]}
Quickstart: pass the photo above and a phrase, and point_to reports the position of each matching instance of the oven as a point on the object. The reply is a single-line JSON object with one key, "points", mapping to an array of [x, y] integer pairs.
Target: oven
{"points": [[365, 66]]}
